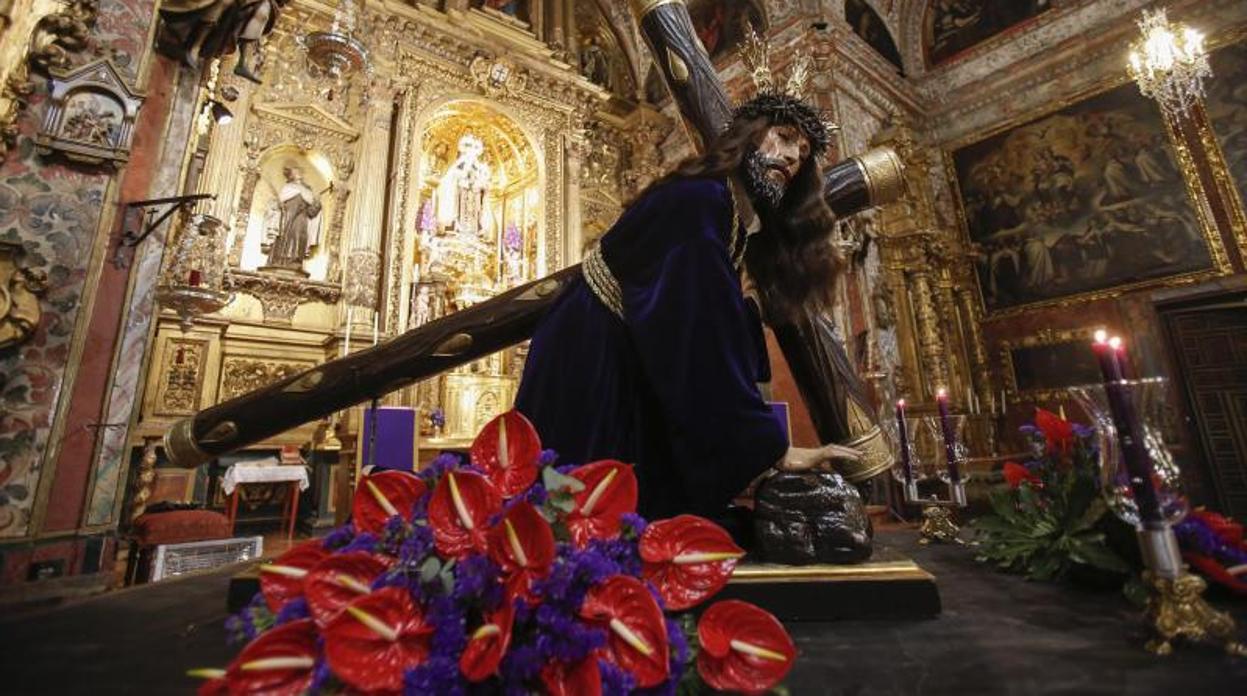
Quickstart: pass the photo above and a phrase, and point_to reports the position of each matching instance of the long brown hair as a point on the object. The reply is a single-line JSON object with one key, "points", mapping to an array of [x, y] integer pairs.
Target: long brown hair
{"points": [[792, 260]]}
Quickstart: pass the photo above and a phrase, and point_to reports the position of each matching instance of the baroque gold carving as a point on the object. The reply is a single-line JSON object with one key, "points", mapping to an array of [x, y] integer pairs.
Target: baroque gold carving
{"points": [[19, 296], [497, 76], [243, 375], [64, 28], [183, 362], [281, 294]]}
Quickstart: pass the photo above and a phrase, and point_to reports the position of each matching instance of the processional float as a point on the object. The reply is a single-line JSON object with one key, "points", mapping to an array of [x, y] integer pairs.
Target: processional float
{"points": [[831, 391]]}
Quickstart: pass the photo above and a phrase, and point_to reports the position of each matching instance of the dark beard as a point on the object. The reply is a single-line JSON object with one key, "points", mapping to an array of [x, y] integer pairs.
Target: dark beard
{"points": [[764, 192]]}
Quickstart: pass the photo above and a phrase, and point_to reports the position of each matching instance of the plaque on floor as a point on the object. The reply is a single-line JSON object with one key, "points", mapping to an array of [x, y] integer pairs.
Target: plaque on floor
{"points": [[888, 586]]}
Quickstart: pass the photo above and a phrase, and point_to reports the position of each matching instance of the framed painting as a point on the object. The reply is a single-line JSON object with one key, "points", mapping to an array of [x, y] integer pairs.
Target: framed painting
{"points": [[953, 26], [1081, 203], [1227, 109], [1043, 366]]}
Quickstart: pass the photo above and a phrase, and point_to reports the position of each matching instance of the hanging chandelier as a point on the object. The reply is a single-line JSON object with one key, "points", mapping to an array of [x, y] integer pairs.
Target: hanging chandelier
{"points": [[1169, 63], [337, 53]]}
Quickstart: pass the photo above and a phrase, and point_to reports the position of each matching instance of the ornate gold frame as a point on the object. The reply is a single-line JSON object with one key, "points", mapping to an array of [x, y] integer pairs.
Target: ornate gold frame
{"points": [[1046, 337], [1195, 192]]}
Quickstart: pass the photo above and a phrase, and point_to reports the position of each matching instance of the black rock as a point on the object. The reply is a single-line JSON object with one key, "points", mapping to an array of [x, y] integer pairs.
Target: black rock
{"points": [[812, 517]]}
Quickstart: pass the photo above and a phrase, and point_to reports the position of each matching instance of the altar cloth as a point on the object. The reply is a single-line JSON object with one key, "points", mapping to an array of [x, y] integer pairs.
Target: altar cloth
{"points": [[263, 471]]}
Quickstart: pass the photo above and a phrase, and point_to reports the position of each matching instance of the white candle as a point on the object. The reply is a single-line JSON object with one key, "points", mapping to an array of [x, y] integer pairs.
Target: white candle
{"points": [[346, 346], [376, 327]]}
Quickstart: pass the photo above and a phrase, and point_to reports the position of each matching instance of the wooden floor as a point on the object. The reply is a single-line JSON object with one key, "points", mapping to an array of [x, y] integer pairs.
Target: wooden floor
{"points": [[998, 634]]}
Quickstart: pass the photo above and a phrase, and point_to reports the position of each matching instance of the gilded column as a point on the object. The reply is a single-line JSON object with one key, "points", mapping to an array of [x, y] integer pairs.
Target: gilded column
{"points": [[230, 154], [366, 218], [927, 318], [980, 369]]}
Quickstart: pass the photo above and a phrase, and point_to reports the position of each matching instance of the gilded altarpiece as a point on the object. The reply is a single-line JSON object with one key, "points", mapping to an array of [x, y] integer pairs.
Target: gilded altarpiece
{"points": [[396, 245]]}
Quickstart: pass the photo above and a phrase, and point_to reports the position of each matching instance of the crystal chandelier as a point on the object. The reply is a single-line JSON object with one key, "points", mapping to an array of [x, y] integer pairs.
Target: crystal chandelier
{"points": [[1169, 63], [337, 53]]}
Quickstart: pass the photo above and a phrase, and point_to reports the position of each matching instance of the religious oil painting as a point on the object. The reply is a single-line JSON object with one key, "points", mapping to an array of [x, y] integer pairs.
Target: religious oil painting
{"points": [[512, 8], [953, 26], [1227, 109], [1055, 366], [1083, 200], [722, 24], [867, 24]]}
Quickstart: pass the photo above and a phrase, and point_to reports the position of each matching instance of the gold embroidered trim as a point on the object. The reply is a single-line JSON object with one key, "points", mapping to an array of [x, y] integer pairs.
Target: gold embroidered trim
{"points": [[602, 281], [737, 255]]}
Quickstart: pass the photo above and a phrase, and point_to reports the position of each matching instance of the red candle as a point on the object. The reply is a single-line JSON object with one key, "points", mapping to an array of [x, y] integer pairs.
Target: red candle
{"points": [[950, 438], [903, 434], [195, 278]]}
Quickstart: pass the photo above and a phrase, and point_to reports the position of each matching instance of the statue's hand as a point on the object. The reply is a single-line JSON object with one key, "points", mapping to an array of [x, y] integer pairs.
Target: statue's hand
{"points": [[807, 459]]}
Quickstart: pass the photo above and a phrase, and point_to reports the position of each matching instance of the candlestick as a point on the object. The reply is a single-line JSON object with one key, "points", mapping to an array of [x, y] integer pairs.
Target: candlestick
{"points": [[907, 465], [376, 327], [346, 345], [950, 438]]}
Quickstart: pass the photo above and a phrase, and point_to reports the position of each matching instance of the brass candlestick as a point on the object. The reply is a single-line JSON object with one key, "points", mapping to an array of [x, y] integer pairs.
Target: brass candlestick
{"points": [[1175, 604]]}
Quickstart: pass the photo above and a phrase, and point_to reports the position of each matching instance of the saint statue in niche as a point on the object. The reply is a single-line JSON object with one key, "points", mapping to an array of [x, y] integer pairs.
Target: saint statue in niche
{"points": [[299, 228], [462, 191], [594, 64]]}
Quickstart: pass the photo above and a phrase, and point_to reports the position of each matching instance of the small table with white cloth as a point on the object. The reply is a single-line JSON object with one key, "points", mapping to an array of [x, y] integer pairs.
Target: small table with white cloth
{"points": [[266, 471]]}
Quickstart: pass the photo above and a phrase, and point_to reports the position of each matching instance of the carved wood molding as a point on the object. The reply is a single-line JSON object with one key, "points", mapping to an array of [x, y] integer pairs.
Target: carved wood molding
{"points": [[281, 294]]}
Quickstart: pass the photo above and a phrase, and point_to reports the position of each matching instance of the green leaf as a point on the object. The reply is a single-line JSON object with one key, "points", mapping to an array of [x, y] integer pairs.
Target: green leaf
{"points": [[556, 482], [430, 569], [1091, 550]]}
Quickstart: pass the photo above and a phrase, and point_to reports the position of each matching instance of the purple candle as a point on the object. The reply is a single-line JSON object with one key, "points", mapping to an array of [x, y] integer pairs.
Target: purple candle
{"points": [[950, 438], [1110, 353], [903, 434]]}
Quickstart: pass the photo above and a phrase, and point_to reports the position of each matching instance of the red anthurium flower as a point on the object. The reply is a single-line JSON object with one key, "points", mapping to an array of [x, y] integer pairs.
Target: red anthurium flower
{"points": [[688, 558], [637, 633], [459, 513], [1228, 530], [1015, 474], [743, 648], [383, 495], [278, 662], [376, 638], [610, 491], [213, 687], [282, 580], [522, 545], [487, 644], [1056, 430], [581, 679], [508, 449], [338, 581]]}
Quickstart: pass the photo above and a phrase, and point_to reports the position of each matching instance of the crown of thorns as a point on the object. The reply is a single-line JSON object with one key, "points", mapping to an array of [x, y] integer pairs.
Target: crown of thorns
{"points": [[788, 110], [782, 104]]}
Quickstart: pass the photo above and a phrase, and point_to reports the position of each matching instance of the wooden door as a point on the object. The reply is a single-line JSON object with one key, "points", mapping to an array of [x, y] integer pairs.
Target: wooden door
{"points": [[1210, 345]]}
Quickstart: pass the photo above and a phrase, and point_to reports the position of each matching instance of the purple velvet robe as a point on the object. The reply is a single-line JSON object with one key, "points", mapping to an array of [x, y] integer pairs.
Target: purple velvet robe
{"points": [[672, 387]]}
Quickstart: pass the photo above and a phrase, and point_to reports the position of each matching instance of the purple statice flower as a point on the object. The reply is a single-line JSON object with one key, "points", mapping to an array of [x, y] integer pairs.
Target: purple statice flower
{"points": [[444, 462], [547, 458], [621, 552], [561, 636], [438, 418], [536, 495], [633, 523], [437, 675], [293, 610], [1082, 432], [476, 583], [249, 622], [339, 537], [1197, 535], [362, 542], [321, 674], [417, 545], [511, 238], [520, 666], [615, 681], [565, 468]]}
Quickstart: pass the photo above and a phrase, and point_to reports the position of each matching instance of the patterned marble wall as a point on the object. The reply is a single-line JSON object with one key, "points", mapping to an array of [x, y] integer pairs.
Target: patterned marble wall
{"points": [[57, 212]]}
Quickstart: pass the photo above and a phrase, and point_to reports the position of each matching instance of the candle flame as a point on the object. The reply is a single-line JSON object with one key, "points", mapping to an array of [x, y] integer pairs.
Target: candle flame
{"points": [[1115, 343], [941, 393], [1101, 336], [901, 403]]}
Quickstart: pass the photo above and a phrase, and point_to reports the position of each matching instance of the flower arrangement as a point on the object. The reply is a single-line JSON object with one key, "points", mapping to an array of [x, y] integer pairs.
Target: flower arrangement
{"points": [[1051, 519], [1213, 544], [504, 574]]}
